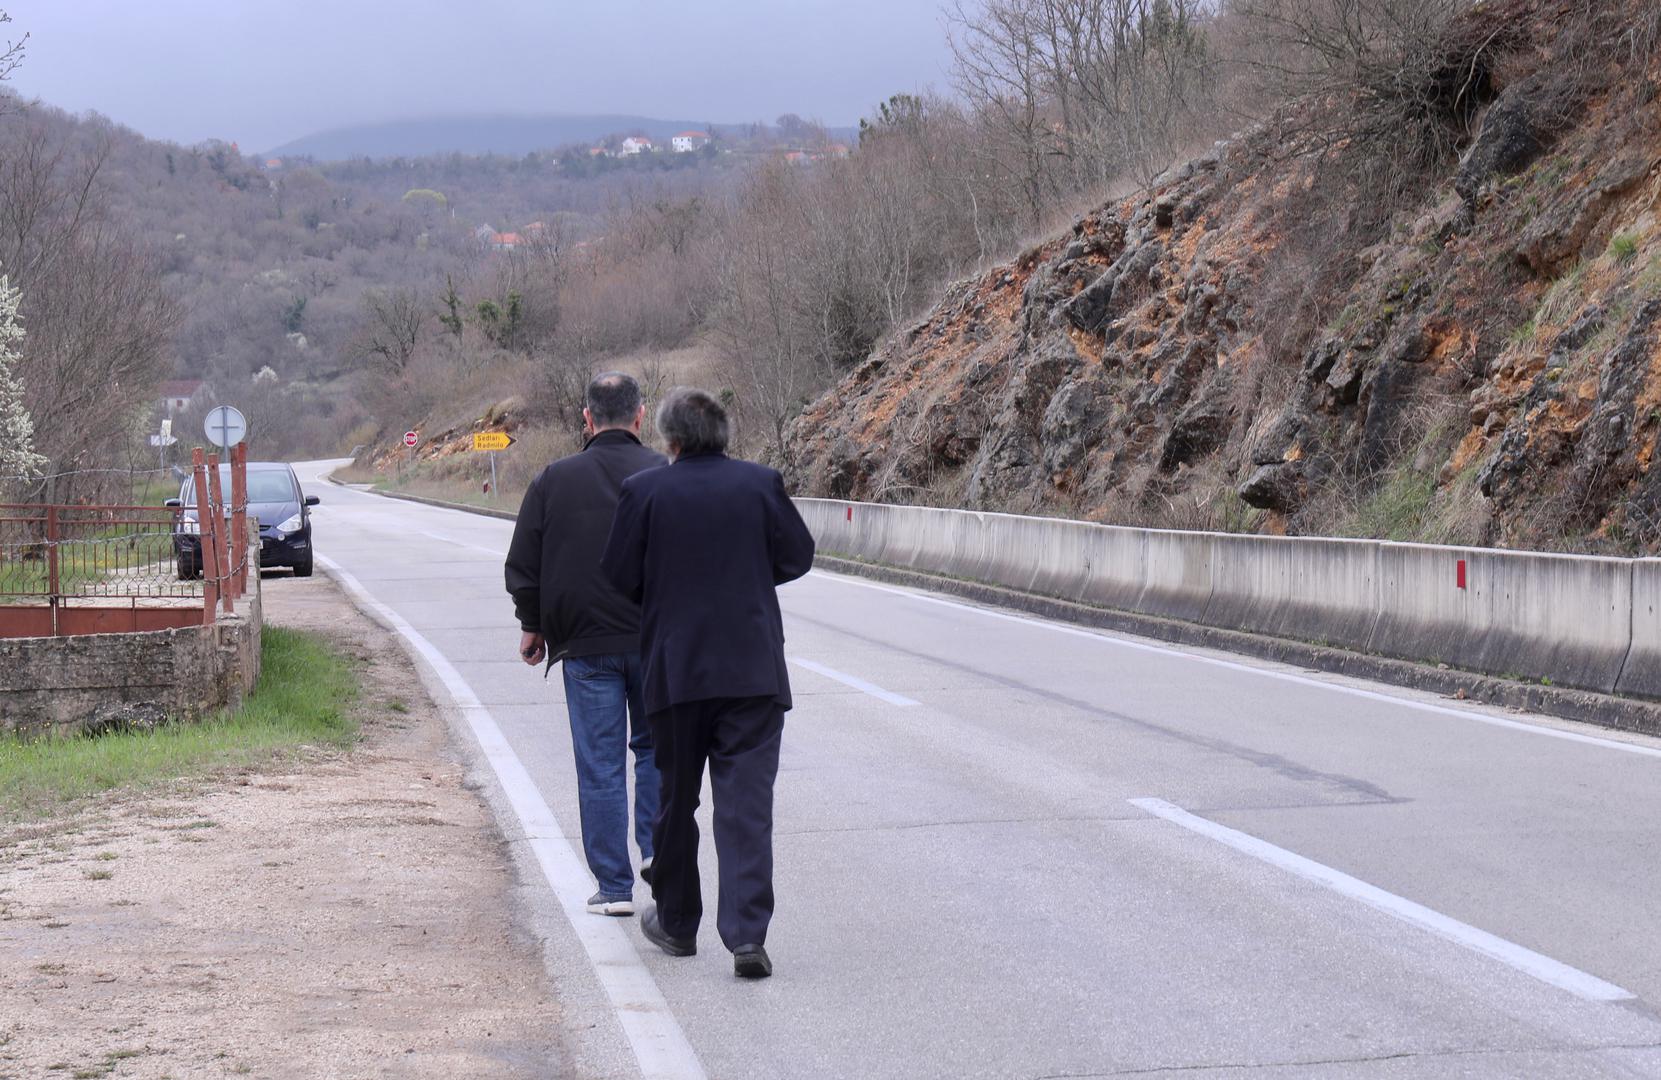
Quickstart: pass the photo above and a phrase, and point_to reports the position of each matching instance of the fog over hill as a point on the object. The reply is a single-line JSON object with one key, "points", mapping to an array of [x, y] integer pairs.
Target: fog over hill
{"points": [[502, 134]]}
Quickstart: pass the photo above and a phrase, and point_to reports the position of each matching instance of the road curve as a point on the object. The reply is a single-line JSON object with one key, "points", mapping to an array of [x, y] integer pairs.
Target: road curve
{"points": [[1009, 848]]}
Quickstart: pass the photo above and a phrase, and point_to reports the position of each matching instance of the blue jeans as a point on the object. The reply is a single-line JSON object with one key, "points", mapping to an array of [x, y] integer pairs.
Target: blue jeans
{"points": [[603, 697]]}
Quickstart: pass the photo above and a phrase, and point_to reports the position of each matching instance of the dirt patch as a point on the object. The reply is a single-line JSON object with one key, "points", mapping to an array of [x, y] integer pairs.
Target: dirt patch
{"points": [[343, 916]]}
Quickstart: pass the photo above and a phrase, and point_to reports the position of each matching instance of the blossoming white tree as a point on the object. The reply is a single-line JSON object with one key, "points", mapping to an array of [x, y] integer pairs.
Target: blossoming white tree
{"points": [[17, 429]]}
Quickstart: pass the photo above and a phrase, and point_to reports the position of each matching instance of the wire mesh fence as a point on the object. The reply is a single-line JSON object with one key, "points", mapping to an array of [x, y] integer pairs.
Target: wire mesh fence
{"points": [[83, 567], [62, 553]]}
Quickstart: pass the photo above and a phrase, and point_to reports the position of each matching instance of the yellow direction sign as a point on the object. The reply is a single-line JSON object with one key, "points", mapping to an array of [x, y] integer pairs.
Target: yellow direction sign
{"points": [[492, 440]]}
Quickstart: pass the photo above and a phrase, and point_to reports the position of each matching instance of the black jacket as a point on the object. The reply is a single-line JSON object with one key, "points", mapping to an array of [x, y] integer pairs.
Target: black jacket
{"points": [[701, 544], [553, 566]]}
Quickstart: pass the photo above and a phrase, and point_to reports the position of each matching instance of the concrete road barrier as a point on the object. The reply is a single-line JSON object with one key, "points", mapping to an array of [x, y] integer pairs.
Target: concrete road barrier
{"points": [[1576, 621], [1567, 618], [1315, 590], [1641, 674]]}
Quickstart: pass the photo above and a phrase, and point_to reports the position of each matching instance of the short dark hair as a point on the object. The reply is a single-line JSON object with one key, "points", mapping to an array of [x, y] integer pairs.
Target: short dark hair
{"points": [[693, 422], [613, 400]]}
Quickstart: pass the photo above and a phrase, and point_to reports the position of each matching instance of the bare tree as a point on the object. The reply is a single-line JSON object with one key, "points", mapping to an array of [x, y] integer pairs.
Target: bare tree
{"points": [[98, 318], [1000, 69], [395, 327], [757, 325], [1086, 89], [1385, 74], [12, 56]]}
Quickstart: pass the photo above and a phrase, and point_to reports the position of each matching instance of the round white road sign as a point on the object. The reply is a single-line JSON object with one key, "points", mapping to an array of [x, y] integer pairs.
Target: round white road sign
{"points": [[225, 426]]}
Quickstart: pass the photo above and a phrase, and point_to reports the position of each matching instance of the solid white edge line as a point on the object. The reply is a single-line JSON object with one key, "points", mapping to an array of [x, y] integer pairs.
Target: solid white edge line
{"points": [[1527, 961], [1267, 673], [854, 681], [660, 1046]]}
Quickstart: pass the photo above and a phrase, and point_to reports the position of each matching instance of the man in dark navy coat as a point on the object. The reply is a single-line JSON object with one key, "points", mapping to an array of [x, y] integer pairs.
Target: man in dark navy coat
{"points": [[701, 544]]}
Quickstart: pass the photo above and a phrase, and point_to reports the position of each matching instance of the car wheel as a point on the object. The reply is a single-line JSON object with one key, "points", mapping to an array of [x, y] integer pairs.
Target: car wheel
{"points": [[303, 569], [188, 569]]}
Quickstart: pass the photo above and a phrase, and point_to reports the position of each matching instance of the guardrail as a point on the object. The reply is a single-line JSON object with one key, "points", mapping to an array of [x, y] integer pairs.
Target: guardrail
{"points": [[1579, 621]]}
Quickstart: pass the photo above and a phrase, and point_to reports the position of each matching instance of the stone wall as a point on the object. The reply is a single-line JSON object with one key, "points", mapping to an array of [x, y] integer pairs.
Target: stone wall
{"points": [[98, 682]]}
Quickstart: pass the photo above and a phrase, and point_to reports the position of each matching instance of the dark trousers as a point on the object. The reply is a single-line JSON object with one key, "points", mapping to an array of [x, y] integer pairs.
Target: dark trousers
{"points": [[739, 737]]}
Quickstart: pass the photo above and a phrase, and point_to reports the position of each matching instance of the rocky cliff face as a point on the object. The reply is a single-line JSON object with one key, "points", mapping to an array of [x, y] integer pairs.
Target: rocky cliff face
{"points": [[1248, 346]]}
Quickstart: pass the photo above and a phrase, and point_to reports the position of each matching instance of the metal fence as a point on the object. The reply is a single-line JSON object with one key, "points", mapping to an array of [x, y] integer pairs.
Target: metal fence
{"points": [[77, 569]]}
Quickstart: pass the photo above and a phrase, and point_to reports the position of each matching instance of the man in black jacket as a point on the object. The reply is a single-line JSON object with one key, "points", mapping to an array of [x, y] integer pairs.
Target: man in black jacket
{"points": [[570, 613], [702, 545]]}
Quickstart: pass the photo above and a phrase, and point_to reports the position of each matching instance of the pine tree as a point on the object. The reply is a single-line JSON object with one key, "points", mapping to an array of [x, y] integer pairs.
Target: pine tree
{"points": [[17, 429]]}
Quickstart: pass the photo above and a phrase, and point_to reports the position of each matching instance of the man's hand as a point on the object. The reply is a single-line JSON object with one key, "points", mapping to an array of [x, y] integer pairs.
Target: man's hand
{"points": [[532, 648]]}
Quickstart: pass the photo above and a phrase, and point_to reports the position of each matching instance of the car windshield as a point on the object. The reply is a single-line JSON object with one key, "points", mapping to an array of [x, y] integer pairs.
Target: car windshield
{"points": [[264, 486]]}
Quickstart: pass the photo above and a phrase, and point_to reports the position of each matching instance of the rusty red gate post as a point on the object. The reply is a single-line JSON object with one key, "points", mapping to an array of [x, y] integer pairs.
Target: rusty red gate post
{"points": [[52, 565], [206, 550], [220, 542], [239, 517]]}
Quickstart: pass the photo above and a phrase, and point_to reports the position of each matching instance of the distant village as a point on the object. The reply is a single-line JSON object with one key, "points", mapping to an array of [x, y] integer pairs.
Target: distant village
{"points": [[816, 147], [812, 144], [691, 142]]}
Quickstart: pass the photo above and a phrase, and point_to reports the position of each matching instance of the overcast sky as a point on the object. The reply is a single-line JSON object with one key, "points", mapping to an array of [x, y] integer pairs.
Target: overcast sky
{"points": [[261, 72]]}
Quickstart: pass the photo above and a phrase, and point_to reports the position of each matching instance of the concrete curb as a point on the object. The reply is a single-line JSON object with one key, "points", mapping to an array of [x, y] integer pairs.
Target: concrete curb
{"points": [[1622, 714]]}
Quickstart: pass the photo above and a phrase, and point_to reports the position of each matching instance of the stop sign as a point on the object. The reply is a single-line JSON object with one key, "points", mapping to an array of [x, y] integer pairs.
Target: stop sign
{"points": [[409, 438]]}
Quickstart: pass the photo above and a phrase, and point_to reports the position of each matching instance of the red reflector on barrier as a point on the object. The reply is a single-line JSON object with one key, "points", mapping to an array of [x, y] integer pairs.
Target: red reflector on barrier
{"points": [[1461, 573], [850, 513]]}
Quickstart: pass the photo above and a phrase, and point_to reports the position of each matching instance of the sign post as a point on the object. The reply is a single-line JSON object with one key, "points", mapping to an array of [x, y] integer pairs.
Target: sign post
{"points": [[162, 442], [492, 441]]}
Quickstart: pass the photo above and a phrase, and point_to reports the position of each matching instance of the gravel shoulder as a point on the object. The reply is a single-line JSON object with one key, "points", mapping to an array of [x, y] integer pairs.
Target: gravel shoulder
{"points": [[340, 915]]}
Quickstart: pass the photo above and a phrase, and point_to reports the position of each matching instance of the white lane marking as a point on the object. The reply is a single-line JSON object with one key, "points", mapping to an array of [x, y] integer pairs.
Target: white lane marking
{"points": [[1267, 673], [1527, 961], [465, 544], [659, 1044], [852, 680]]}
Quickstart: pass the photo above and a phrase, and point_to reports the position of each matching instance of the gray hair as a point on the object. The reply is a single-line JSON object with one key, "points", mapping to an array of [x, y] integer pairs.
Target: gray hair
{"points": [[692, 421], [613, 400]]}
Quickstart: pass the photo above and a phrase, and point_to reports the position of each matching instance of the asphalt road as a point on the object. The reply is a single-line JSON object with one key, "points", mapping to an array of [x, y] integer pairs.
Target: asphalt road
{"points": [[1009, 848]]}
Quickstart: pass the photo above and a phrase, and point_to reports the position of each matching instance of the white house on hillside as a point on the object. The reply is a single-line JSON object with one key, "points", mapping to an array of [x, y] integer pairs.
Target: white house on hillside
{"points": [[177, 394], [688, 141], [636, 144]]}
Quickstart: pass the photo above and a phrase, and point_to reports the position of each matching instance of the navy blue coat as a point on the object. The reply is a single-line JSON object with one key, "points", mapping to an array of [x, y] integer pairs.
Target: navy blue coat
{"points": [[701, 545]]}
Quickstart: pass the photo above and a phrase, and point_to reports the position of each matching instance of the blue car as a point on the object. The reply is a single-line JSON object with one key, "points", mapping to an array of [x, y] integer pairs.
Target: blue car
{"points": [[274, 500]]}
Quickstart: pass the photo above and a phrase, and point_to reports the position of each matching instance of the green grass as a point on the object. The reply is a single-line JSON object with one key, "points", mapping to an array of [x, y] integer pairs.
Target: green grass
{"points": [[1397, 510], [304, 697], [153, 489], [1564, 298], [1650, 279], [1624, 248]]}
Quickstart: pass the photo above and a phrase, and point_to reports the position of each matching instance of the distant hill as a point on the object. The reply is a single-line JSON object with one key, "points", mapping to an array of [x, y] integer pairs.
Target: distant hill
{"points": [[470, 135]]}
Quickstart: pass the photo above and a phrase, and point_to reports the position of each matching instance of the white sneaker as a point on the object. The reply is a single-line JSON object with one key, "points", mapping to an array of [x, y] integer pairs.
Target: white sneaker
{"points": [[601, 904]]}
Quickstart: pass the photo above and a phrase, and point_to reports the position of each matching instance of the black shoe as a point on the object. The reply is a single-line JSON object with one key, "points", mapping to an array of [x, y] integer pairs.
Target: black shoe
{"points": [[657, 935], [646, 872], [750, 962]]}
